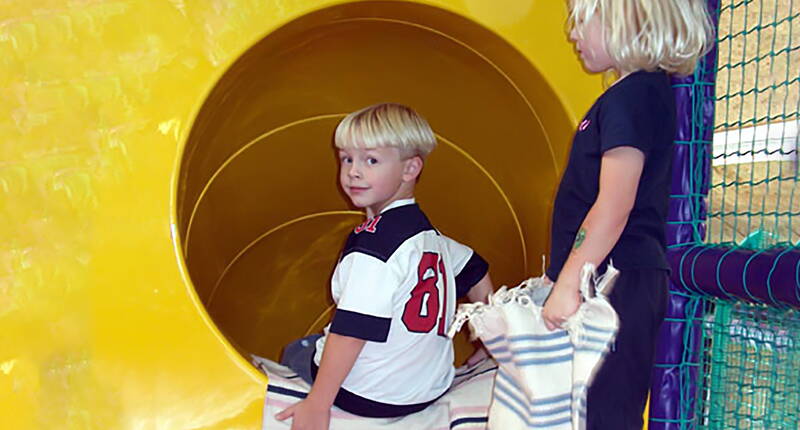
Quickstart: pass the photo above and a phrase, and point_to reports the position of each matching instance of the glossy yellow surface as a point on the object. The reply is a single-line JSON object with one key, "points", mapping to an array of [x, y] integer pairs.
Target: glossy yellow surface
{"points": [[167, 188]]}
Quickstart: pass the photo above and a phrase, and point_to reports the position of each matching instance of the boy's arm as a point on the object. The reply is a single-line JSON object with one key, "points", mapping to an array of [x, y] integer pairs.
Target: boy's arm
{"points": [[480, 291], [338, 357], [620, 170]]}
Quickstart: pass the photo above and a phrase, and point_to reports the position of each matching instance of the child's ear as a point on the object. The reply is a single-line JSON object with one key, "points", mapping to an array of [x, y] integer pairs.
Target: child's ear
{"points": [[412, 168]]}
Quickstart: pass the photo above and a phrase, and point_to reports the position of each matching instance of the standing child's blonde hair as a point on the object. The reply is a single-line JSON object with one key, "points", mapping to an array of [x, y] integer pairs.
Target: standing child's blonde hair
{"points": [[650, 34], [386, 125]]}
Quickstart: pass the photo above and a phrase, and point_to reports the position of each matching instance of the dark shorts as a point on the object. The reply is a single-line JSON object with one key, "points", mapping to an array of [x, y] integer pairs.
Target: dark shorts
{"points": [[618, 394], [299, 356]]}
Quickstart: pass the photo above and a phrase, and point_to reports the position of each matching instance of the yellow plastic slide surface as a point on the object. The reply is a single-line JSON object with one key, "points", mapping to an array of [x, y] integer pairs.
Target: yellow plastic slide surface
{"points": [[168, 190]]}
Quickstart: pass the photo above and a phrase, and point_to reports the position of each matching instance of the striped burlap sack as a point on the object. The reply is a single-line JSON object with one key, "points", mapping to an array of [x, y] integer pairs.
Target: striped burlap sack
{"points": [[543, 375]]}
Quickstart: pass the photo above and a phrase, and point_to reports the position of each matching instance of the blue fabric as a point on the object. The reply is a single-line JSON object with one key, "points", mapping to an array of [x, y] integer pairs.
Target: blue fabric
{"points": [[299, 354]]}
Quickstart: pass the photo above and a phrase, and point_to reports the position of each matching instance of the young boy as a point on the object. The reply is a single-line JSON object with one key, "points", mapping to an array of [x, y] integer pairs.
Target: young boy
{"points": [[386, 353]]}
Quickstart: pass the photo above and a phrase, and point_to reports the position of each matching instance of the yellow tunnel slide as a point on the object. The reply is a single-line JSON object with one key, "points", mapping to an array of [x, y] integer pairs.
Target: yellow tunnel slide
{"points": [[169, 186]]}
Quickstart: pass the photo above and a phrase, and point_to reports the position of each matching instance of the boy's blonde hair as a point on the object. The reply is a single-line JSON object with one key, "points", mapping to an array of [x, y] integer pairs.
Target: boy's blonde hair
{"points": [[650, 34], [386, 125]]}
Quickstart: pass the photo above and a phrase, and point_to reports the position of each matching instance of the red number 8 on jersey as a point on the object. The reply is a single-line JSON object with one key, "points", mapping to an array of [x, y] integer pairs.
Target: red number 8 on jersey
{"points": [[422, 309]]}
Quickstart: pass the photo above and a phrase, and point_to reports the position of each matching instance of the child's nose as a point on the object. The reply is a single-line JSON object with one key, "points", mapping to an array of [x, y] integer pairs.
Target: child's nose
{"points": [[354, 171]]}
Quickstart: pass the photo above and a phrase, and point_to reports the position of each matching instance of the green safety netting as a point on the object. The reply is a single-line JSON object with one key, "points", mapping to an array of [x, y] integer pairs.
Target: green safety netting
{"points": [[739, 362], [754, 198]]}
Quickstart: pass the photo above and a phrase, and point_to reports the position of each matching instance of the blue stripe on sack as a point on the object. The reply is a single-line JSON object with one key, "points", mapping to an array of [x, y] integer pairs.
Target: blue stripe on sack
{"points": [[468, 420], [598, 350], [286, 392], [595, 339], [520, 414], [549, 336], [504, 358], [548, 348], [596, 329], [496, 354], [536, 402], [504, 375], [549, 360], [510, 385], [516, 397], [552, 423], [499, 350], [554, 399], [552, 411], [493, 341], [538, 407], [531, 423], [513, 402]]}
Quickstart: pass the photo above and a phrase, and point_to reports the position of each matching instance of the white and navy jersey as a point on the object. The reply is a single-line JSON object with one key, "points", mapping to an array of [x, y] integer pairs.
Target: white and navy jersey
{"points": [[396, 286]]}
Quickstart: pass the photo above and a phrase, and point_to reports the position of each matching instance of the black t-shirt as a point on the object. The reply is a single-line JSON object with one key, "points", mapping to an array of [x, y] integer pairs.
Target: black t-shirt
{"points": [[638, 111]]}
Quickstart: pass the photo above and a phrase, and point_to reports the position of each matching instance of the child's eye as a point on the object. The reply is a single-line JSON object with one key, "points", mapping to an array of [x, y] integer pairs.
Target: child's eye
{"points": [[372, 160], [346, 160]]}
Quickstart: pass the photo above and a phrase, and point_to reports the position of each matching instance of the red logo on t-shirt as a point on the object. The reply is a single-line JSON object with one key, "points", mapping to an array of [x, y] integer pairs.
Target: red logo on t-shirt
{"points": [[584, 125], [369, 225]]}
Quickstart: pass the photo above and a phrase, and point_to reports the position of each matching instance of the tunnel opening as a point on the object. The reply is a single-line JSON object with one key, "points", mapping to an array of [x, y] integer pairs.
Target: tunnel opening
{"points": [[260, 218]]}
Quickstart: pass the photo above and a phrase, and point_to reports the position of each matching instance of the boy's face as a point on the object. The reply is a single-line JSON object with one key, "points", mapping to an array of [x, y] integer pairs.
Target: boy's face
{"points": [[591, 46], [373, 178]]}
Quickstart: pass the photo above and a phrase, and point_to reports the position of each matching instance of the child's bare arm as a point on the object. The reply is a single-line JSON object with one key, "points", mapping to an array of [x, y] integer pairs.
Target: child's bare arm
{"points": [[338, 357], [480, 291], [620, 170]]}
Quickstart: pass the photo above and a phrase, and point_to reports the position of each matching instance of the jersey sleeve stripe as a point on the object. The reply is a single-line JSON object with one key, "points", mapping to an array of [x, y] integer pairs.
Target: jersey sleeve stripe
{"points": [[475, 269], [361, 326]]}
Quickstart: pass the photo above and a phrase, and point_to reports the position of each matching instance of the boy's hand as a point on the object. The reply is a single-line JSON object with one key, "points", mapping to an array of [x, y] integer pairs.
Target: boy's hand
{"points": [[306, 415], [562, 304]]}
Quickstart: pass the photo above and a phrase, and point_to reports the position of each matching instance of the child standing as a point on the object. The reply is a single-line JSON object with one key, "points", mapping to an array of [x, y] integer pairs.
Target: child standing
{"points": [[386, 352], [613, 198]]}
